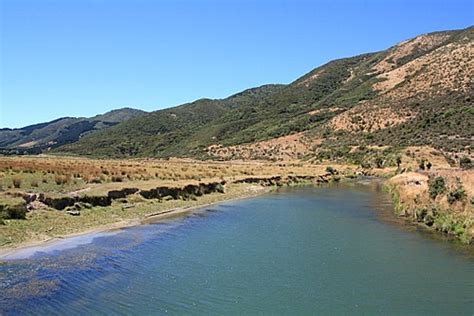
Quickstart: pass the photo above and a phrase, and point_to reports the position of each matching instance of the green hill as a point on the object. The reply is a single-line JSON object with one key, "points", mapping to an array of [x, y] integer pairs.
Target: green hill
{"points": [[38, 137], [418, 92]]}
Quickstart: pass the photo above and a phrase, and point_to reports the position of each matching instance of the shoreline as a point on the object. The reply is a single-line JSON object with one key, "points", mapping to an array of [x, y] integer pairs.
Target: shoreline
{"points": [[178, 212], [243, 192]]}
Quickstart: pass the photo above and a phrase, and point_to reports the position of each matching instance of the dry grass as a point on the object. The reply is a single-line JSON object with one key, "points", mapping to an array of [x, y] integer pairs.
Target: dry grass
{"points": [[457, 218], [45, 224], [285, 148], [68, 175]]}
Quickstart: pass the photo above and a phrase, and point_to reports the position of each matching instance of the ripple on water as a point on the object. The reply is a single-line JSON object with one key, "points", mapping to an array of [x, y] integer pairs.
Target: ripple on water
{"points": [[303, 250]]}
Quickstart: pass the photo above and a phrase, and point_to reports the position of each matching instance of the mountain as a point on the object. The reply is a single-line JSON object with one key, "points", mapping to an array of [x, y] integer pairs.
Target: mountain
{"points": [[418, 92], [38, 137]]}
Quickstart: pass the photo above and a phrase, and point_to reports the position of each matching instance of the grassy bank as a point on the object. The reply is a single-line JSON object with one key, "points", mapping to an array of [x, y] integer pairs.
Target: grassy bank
{"points": [[441, 199], [44, 197], [45, 224]]}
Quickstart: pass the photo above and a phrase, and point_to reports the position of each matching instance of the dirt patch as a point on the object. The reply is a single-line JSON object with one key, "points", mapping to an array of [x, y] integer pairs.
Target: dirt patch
{"points": [[368, 117], [319, 111], [448, 68], [28, 144], [311, 78], [405, 48], [279, 149]]}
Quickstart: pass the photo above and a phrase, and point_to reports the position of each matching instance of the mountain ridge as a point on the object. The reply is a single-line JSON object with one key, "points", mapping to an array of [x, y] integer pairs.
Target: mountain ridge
{"points": [[43, 136], [417, 92]]}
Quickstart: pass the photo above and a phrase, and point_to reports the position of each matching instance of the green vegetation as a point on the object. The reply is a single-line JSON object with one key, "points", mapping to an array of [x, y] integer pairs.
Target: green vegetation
{"points": [[35, 138], [442, 120], [456, 195], [12, 212], [453, 225], [465, 163], [436, 186]]}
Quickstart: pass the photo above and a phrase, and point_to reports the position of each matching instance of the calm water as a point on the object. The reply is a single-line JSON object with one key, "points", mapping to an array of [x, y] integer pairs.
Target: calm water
{"points": [[332, 250]]}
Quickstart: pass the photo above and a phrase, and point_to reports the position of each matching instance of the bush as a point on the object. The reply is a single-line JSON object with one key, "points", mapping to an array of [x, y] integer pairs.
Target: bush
{"points": [[456, 195], [422, 164], [60, 180], [13, 212], [117, 179], [95, 180], [436, 186], [465, 163], [16, 183]]}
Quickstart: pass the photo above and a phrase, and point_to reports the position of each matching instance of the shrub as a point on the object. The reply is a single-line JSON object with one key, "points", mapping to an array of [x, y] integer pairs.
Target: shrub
{"points": [[436, 186], [379, 162], [456, 195], [95, 180], [422, 164], [16, 183], [117, 179], [465, 163], [60, 180], [13, 212]]}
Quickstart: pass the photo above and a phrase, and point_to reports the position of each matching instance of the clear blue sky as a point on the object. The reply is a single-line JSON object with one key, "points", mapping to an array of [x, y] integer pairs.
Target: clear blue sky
{"points": [[81, 58]]}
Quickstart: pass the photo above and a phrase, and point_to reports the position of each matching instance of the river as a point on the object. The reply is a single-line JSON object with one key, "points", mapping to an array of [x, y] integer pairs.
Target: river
{"points": [[298, 251]]}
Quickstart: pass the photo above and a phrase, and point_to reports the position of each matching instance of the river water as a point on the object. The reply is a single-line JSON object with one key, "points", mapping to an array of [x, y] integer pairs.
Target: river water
{"points": [[308, 250]]}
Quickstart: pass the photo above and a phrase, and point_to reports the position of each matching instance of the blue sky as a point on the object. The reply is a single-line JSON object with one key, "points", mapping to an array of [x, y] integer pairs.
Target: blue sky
{"points": [[80, 58]]}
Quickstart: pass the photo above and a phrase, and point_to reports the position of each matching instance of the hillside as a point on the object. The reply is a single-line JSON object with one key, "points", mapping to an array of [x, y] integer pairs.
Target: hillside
{"points": [[418, 92], [38, 137]]}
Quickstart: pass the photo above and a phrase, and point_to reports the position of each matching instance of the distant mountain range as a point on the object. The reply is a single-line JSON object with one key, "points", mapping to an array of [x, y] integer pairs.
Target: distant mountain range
{"points": [[418, 92], [39, 137]]}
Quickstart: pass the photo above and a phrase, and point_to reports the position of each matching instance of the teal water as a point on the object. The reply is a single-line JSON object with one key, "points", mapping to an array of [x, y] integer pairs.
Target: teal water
{"points": [[325, 250]]}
